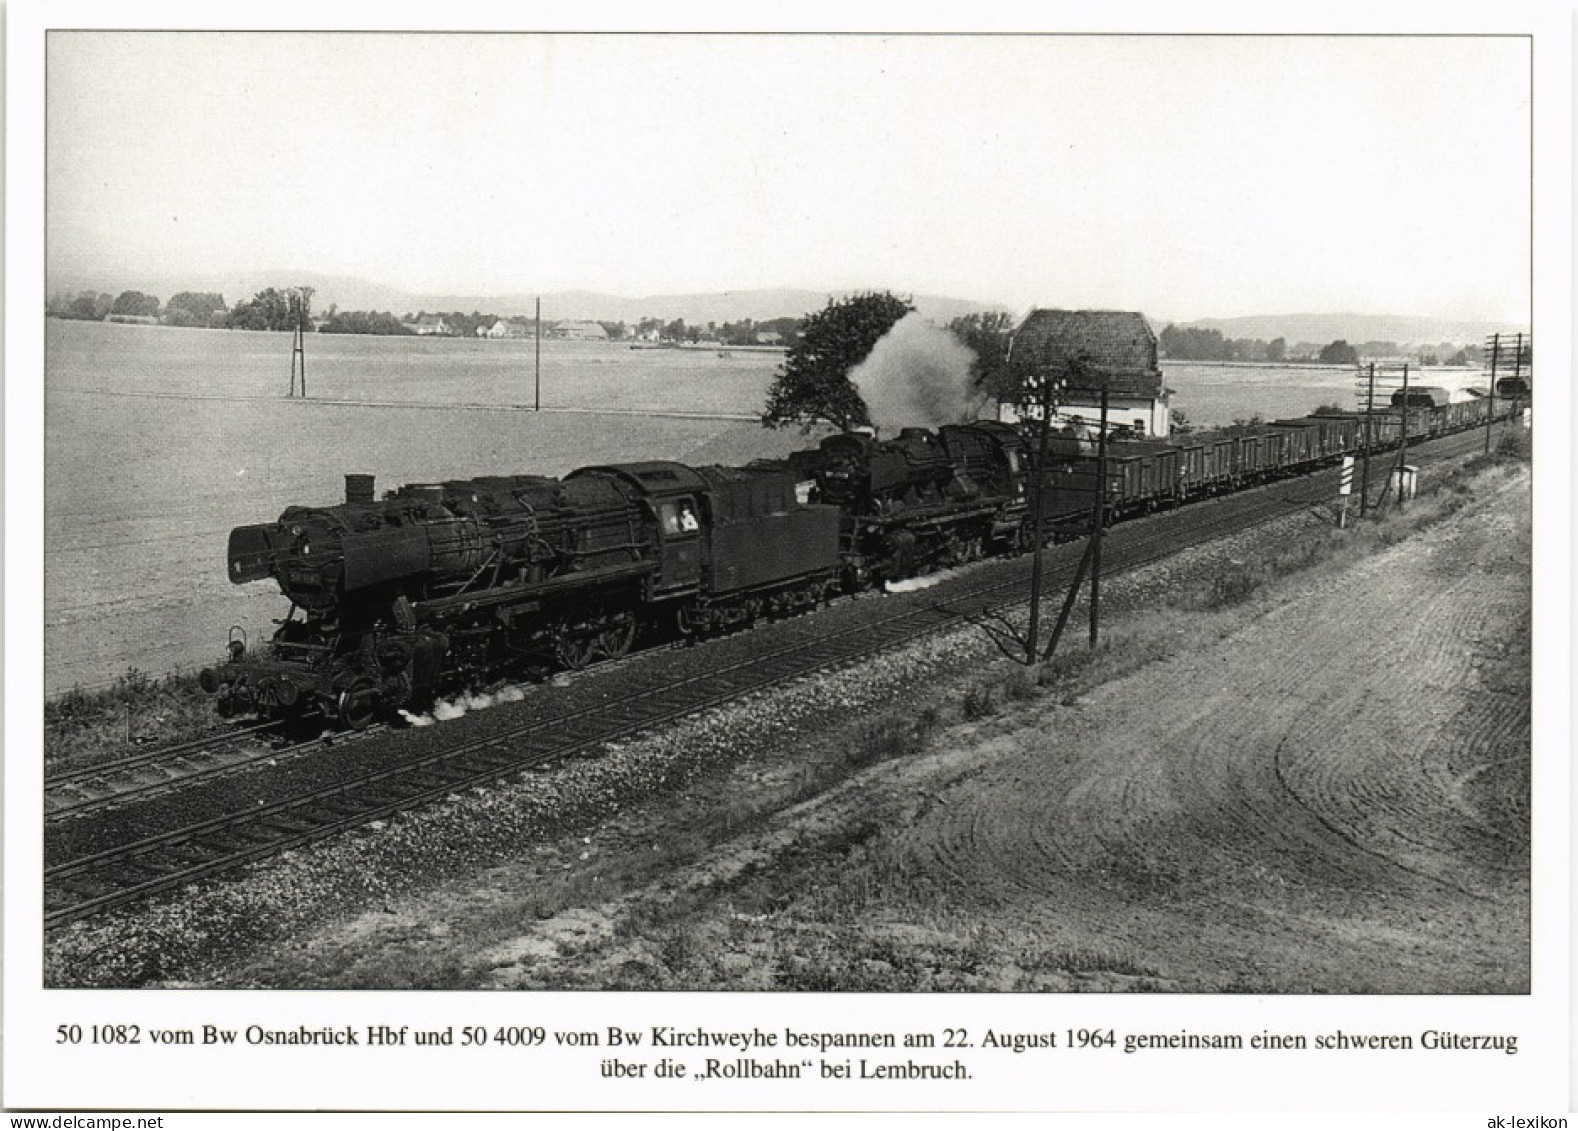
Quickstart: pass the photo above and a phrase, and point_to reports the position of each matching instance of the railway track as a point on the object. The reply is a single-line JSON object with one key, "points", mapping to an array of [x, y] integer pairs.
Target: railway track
{"points": [[87, 883], [82, 790]]}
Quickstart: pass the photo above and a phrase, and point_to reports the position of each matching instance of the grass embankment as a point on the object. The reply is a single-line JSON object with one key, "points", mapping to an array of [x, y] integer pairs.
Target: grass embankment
{"points": [[84, 728]]}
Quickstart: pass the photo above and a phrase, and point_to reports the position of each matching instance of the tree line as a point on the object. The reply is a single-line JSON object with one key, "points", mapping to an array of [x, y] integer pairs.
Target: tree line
{"points": [[273, 308], [1190, 343], [284, 308]]}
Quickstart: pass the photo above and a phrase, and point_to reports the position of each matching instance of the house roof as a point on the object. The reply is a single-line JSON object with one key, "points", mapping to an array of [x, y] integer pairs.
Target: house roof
{"points": [[1118, 343]]}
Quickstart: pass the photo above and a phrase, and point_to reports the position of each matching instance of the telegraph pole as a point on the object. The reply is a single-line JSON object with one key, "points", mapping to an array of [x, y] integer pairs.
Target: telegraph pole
{"points": [[298, 347], [1402, 449], [537, 393], [1369, 409], [1100, 518], [1048, 395], [1490, 417]]}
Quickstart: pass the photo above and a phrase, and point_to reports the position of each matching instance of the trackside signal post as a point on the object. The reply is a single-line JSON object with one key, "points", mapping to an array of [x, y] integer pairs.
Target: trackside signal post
{"points": [[1344, 489]]}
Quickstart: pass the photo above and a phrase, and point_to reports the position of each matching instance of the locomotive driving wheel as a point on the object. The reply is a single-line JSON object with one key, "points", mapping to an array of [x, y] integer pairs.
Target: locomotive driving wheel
{"points": [[574, 649], [617, 636], [357, 704]]}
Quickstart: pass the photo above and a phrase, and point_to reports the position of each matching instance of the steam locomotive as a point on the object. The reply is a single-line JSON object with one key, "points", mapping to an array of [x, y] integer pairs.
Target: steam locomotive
{"points": [[389, 597]]}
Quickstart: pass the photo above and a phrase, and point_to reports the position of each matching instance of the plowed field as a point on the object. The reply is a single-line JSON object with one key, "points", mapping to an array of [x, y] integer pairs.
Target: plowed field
{"points": [[1334, 797]]}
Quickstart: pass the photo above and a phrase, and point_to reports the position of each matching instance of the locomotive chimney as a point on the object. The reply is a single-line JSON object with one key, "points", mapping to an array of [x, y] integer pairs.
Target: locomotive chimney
{"points": [[358, 488]]}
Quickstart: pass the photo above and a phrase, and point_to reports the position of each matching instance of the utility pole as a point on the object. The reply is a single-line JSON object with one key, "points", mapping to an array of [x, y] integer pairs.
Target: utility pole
{"points": [[1517, 373], [298, 347], [537, 393], [1495, 356], [1091, 559], [1402, 449], [1048, 392], [1099, 520], [1369, 409]]}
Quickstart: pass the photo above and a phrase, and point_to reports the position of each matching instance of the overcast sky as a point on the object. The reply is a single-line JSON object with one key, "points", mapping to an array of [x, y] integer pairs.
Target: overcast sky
{"points": [[1186, 177]]}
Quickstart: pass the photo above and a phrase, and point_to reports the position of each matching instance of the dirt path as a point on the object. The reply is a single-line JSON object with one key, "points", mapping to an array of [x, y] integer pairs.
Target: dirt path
{"points": [[1336, 796]]}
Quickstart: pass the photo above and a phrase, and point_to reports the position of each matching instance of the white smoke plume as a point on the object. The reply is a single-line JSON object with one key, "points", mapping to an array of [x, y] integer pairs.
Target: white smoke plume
{"points": [[915, 584], [917, 375], [446, 709], [911, 584]]}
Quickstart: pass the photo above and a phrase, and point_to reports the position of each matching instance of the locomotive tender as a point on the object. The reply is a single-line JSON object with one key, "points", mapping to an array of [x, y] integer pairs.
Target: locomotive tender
{"points": [[389, 596]]}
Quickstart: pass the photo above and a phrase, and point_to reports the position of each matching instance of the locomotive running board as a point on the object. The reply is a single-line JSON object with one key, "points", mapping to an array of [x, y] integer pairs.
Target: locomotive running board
{"points": [[508, 595]]}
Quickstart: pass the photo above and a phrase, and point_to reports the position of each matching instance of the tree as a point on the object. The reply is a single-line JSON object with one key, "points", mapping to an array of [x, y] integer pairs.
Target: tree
{"points": [[1339, 353], [363, 322], [814, 383], [1190, 343], [987, 334], [1277, 350], [787, 328], [300, 299], [91, 306], [136, 303], [193, 308], [269, 309]]}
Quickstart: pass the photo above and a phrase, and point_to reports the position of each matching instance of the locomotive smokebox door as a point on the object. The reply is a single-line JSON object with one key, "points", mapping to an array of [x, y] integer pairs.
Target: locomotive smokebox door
{"points": [[251, 553]]}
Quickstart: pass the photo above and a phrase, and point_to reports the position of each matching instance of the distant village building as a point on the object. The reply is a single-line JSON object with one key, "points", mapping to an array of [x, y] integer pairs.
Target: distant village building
{"points": [[499, 329], [1121, 350], [134, 319], [583, 331], [769, 338], [431, 325]]}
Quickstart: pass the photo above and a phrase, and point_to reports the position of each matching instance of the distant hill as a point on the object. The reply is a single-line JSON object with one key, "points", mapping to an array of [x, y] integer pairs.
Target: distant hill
{"points": [[350, 293], [1323, 328]]}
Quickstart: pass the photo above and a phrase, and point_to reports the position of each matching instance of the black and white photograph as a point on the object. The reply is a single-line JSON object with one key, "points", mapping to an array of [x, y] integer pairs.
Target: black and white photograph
{"points": [[860, 566]]}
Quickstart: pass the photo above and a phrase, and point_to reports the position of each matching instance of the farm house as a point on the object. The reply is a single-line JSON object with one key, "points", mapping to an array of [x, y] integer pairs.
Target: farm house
{"points": [[1121, 347]]}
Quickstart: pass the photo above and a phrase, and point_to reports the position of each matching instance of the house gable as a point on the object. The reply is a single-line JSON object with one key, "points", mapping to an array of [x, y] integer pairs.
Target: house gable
{"points": [[1119, 345]]}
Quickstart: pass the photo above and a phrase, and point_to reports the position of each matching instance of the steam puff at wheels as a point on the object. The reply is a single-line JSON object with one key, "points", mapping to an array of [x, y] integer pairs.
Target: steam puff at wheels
{"points": [[357, 704]]}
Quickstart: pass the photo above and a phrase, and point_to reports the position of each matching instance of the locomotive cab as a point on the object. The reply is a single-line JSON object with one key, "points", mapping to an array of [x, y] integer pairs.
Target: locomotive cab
{"points": [[674, 497]]}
